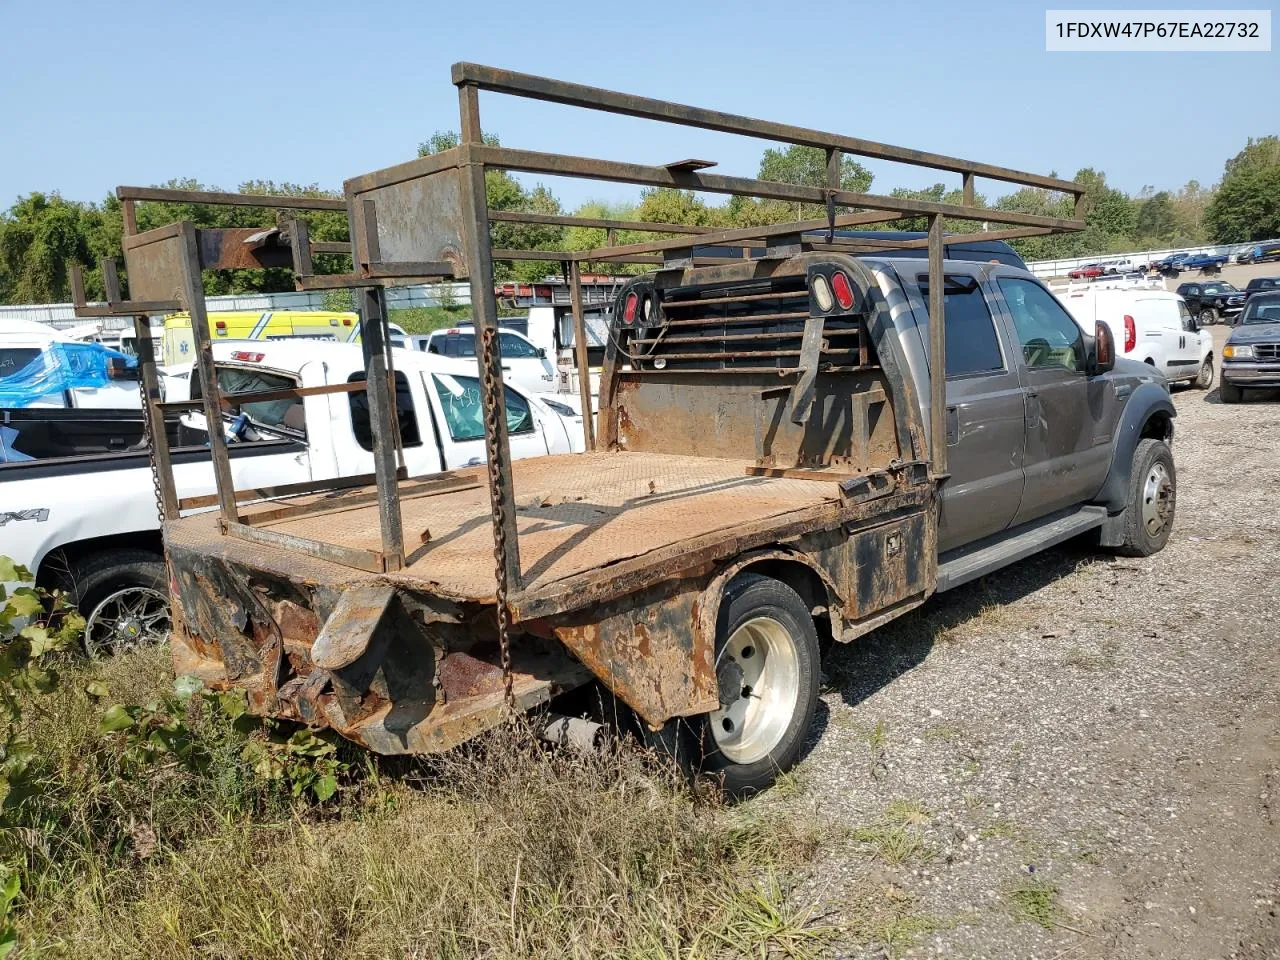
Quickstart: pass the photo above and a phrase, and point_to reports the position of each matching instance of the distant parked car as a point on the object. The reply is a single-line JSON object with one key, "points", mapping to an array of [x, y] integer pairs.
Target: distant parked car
{"points": [[1259, 253], [1085, 272], [1261, 283], [1172, 263], [1212, 301], [1119, 265], [1251, 357], [1204, 262]]}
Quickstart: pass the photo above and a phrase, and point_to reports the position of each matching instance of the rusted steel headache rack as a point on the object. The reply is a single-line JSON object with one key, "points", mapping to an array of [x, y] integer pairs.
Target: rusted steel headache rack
{"points": [[427, 220]]}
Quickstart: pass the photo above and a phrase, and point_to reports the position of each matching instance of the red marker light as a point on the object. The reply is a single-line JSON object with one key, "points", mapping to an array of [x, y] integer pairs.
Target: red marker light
{"points": [[244, 356], [221, 328], [1130, 333], [629, 310], [843, 290]]}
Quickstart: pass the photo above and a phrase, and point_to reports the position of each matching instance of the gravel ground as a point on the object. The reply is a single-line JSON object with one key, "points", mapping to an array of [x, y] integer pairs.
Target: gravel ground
{"points": [[1077, 757]]}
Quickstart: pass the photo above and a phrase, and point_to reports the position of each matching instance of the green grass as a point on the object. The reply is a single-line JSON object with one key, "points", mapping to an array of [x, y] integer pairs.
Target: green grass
{"points": [[893, 845], [427, 319], [888, 919], [907, 812], [1035, 901], [878, 736], [502, 850]]}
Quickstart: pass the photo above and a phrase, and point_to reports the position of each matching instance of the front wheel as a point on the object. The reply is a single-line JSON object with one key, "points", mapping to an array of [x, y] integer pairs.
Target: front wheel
{"points": [[124, 598], [767, 669], [1208, 317], [1204, 379], [1229, 392], [1153, 494]]}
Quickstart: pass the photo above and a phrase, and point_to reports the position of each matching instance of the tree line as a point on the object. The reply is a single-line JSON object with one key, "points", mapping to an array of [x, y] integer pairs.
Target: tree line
{"points": [[42, 235]]}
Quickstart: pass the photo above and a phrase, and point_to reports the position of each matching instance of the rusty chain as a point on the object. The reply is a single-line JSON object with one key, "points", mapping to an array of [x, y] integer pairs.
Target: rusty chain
{"points": [[492, 385], [146, 434]]}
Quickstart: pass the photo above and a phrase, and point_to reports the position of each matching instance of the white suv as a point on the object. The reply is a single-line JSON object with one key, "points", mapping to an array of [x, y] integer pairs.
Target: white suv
{"points": [[523, 364]]}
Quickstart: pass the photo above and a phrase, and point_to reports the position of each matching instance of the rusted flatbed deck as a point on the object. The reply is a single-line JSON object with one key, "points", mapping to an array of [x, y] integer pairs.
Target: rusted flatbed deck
{"points": [[576, 513]]}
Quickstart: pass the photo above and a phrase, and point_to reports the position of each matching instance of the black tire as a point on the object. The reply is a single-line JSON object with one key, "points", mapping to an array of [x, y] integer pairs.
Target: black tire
{"points": [[1204, 380], [751, 597], [97, 577], [1229, 392], [1208, 317], [1148, 496]]}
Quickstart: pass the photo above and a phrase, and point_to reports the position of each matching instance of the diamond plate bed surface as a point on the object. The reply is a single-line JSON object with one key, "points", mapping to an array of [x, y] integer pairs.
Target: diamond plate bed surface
{"points": [[575, 513]]}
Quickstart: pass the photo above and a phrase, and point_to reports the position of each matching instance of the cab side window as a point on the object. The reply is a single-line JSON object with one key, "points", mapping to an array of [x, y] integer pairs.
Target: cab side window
{"points": [[514, 347], [1049, 337], [406, 419], [1186, 321], [463, 413]]}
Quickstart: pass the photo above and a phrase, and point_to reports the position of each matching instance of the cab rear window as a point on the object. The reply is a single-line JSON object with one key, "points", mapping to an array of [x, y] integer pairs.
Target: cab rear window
{"points": [[13, 359], [285, 413], [972, 347]]}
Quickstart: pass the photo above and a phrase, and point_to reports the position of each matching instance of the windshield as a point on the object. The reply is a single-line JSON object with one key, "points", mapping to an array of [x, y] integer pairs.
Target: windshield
{"points": [[1219, 288], [1259, 310]]}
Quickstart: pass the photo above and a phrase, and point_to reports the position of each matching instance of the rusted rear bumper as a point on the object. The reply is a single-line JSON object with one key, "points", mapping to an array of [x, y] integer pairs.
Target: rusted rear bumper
{"points": [[391, 668]]}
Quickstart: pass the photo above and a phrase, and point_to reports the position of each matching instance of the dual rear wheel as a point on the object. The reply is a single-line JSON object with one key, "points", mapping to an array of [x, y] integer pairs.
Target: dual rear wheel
{"points": [[767, 664]]}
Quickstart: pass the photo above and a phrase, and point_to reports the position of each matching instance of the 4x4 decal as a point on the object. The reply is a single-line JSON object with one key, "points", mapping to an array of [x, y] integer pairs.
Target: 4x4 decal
{"points": [[38, 514]]}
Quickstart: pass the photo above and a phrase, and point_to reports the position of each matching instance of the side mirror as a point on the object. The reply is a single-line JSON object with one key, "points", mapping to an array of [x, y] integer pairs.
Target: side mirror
{"points": [[1104, 349], [542, 353]]}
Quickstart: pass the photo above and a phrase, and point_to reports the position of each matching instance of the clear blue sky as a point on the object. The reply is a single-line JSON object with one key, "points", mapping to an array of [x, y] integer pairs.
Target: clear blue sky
{"points": [[101, 93]]}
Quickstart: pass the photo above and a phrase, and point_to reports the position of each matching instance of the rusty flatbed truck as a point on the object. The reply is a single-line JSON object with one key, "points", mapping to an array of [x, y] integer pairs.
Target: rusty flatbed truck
{"points": [[776, 474]]}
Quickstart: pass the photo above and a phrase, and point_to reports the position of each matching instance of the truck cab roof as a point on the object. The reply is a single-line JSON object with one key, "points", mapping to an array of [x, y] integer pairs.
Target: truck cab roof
{"points": [[954, 247], [290, 356]]}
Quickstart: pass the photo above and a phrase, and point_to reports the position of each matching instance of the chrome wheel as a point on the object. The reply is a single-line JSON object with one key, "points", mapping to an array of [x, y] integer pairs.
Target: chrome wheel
{"points": [[129, 618], [1157, 500], [758, 672]]}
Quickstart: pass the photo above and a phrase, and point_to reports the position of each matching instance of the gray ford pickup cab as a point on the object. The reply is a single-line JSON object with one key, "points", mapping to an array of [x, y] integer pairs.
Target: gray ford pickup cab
{"points": [[1040, 446]]}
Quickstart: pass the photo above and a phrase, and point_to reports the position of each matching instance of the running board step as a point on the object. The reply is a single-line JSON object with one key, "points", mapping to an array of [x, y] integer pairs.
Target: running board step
{"points": [[968, 563]]}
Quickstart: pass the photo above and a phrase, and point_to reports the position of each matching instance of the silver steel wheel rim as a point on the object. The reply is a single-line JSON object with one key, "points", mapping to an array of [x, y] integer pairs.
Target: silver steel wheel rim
{"points": [[1157, 499], [759, 674], [1206, 373], [125, 620]]}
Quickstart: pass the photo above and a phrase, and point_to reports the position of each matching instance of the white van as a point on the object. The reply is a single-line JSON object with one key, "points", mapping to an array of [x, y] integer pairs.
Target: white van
{"points": [[1150, 325]]}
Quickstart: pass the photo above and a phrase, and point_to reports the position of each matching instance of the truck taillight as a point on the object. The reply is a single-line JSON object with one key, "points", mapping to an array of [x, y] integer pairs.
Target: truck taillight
{"points": [[221, 328], [629, 309], [1130, 334], [822, 293], [244, 356], [843, 290]]}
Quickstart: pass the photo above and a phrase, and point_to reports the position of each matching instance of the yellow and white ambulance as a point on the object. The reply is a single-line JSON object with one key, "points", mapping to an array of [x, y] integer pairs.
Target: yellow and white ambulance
{"points": [[179, 342]]}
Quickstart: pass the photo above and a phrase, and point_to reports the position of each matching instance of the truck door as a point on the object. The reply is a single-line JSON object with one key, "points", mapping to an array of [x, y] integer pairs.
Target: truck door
{"points": [[1190, 354], [1068, 436], [985, 431], [420, 456]]}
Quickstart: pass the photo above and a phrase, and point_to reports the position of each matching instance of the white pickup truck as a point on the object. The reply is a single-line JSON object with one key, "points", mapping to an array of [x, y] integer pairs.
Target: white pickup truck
{"points": [[77, 504], [54, 384]]}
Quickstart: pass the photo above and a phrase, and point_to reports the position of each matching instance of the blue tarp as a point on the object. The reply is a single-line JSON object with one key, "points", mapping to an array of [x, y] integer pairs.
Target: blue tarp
{"points": [[60, 366]]}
